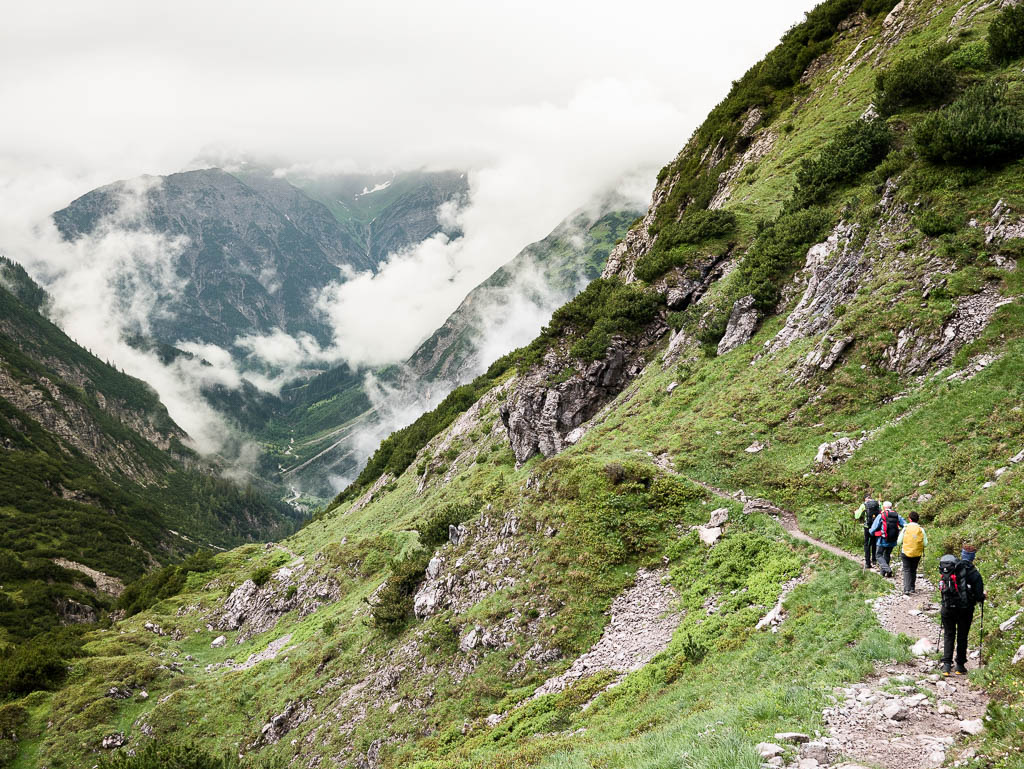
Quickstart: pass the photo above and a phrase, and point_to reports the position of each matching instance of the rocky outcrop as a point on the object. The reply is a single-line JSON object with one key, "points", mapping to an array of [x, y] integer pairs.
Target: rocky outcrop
{"points": [[104, 582], [274, 730], [758, 149], [485, 556], [743, 322], [251, 609], [832, 273], [834, 453], [1005, 225], [916, 352], [539, 417]]}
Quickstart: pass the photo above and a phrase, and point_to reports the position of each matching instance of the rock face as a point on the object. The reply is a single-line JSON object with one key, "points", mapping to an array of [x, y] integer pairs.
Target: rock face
{"points": [[743, 322], [915, 352], [538, 417]]}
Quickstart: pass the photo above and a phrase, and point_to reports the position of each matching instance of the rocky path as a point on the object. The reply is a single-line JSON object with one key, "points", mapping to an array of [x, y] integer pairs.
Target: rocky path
{"points": [[903, 716]]}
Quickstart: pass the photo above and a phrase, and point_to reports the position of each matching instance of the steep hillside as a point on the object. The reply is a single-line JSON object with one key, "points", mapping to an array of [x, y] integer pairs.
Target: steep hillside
{"points": [[96, 481], [506, 306], [631, 543]]}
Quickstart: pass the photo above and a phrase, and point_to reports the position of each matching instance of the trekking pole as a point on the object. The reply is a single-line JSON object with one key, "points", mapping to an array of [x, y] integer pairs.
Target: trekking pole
{"points": [[981, 645]]}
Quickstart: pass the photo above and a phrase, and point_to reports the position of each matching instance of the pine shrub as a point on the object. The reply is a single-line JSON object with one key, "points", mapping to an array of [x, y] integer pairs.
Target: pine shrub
{"points": [[984, 127], [1006, 34], [921, 80], [857, 148]]}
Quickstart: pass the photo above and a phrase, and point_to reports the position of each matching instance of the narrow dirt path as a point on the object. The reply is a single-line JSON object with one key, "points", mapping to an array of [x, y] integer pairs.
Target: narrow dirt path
{"points": [[904, 715]]}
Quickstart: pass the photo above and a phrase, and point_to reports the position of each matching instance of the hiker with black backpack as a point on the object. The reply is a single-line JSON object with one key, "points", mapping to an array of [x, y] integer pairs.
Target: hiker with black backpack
{"points": [[961, 588], [887, 528], [911, 544], [866, 514]]}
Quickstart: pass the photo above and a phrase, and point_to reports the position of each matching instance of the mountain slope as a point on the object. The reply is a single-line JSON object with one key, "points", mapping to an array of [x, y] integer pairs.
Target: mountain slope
{"points": [[587, 563], [94, 472]]}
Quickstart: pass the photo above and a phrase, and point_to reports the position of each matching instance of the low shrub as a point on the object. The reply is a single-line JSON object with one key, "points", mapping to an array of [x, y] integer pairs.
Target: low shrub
{"points": [[163, 583], [983, 127], [434, 530], [857, 148], [970, 56], [922, 80], [162, 755], [697, 226], [392, 608], [1006, 34], [933, 224], [261, 575]]}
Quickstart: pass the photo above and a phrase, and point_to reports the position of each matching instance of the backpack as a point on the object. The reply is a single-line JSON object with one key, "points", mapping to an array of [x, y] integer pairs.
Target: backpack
{"points": [[890, 523], [913, 541], [953, 587], [871, 511]]}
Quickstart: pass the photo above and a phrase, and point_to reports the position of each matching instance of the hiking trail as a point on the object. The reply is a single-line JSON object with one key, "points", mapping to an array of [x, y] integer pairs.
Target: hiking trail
{"points": [[904, 715]]}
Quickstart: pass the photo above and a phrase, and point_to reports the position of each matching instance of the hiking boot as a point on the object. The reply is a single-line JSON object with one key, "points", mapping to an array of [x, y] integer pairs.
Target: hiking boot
{"points": [[946, 668], [960, 670]]}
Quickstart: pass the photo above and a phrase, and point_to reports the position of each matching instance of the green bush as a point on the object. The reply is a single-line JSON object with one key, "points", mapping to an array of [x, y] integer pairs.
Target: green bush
{"points": [[161, 755], [921, 80], [857, 148], [697, 226], [777, 248], [163, 583], [434, 530], [970, 56], [40, 663], [983, 127], [261, 575], [1006, 34], [392, 608], [933, 224]]}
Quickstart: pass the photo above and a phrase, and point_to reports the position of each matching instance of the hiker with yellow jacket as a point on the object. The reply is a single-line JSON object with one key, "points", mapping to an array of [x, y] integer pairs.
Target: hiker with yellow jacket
{"points": [[911, 543]]}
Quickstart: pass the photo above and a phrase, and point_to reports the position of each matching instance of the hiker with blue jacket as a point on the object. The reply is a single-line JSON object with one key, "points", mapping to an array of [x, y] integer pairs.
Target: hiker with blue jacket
{"points": [[961, 588], [887, 528], [866, 514]]}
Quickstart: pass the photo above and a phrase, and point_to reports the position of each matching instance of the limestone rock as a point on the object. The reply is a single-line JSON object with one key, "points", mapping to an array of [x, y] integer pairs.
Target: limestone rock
{"points": [[756, 447], [1019, 656], [834, 453], [112, 741], [1010, 623], [895, 712], [709, 535], [795, 737], [922, 648], [743, 322], [769, 749], [719, 516], [973, 726], [218, 642]]}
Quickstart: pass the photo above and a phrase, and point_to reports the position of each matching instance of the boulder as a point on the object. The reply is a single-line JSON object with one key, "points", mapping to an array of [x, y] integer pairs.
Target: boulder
{"points": [[895, 712], [709, 535], [218, 642], [1010, 623], [972, 726], [112, 741], [922, 648], [756, 447], [834, 453], [1019, 656], [719, 516], [742, 323], [769, 749], [795, 737]]}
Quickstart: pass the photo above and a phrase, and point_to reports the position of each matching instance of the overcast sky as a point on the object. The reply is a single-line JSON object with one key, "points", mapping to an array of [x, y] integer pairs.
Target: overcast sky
{"points": [[545, 103]]}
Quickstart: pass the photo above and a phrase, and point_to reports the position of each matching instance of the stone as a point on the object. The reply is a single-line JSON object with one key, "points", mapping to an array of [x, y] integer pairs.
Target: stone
{"points": [[672, 387], [807, 763], [1017, 458], [922, 648], [112, 741], [1019, 656], [988, 484], [756, 447], [834, 453], [1001, 470], [795, 737], [1010, 623], [895, 712], [972, 726], [937, 758], [769, 749], [494, 719], [719, 516], [816, 750], [471, 640], [742, 323], [218, 642], [709, 535]]}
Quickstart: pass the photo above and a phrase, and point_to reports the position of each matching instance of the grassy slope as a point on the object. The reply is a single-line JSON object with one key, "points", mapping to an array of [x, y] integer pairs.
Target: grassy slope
{"points": [[720, 687]]}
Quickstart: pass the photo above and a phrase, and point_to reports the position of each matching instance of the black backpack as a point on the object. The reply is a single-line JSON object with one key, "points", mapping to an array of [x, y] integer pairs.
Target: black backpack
{"points": [[953, 587], [890, 523], [871, 511]]}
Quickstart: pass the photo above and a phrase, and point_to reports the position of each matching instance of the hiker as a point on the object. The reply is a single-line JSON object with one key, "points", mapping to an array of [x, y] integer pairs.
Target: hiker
{"points": [[961, 588], [887, 528], [866, 514], [911, 543]]}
